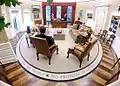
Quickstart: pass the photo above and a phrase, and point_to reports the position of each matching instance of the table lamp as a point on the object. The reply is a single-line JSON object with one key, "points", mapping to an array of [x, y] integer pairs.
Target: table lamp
{"points": [[90, 23]]}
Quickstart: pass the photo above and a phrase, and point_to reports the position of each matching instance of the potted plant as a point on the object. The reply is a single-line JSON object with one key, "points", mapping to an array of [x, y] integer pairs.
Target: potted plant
{"points": [[49, 2], [3, 24]]}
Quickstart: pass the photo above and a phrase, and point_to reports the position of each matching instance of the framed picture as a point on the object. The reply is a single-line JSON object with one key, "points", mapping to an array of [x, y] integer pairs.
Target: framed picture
{"points": [[36, 11], [89, 15], [81, 13]]}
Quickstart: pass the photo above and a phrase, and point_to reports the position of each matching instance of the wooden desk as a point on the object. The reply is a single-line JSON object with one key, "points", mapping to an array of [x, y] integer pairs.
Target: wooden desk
{"points": [[39, 21], [59, 24]]}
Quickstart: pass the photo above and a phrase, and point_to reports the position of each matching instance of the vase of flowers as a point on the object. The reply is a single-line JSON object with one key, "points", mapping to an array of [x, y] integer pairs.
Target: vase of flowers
{"points": [[89, 32]]}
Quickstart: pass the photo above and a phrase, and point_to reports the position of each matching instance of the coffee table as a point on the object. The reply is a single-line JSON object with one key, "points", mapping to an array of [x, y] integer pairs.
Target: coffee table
{"points": [[59, 35]]}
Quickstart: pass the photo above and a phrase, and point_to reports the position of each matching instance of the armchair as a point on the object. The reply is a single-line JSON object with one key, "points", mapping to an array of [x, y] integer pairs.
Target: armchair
{"points": [[111, 39], [82, 51], [103, 35], [42, 47]]}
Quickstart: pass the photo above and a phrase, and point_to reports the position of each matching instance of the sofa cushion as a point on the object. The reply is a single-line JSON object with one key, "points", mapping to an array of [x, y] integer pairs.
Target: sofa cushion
{"points": [[75, 26], [80, 48]]}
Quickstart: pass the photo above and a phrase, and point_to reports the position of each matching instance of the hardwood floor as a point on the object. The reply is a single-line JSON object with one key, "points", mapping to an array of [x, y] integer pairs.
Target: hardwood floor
{"points": [[19, 77]]}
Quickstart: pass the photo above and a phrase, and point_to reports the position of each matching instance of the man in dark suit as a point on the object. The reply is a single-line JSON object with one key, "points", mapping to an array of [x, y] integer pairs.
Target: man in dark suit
{"points": [[49, 39], [65, 17]]}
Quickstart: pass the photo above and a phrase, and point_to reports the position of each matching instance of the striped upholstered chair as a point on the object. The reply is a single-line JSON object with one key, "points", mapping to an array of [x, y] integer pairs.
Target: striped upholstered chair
{"points": [[82, 51]]}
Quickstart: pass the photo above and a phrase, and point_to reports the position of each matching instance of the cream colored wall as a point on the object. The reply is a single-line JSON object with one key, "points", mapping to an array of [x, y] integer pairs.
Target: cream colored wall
{"points": [[28, 7], [25, 6], [85, 6]]}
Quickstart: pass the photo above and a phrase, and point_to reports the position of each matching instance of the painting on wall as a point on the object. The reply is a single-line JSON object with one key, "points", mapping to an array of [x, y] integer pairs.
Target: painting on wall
{"points": [[36, 11], [114, 25], [89, 15], [81, 13]]}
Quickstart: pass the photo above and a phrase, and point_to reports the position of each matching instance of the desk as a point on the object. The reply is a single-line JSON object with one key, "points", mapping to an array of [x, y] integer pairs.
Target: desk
{"points": [[59, 24]]}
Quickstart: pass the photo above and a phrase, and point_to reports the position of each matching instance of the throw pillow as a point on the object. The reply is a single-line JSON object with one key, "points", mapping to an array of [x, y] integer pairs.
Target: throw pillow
{"points": [[75, 26]]}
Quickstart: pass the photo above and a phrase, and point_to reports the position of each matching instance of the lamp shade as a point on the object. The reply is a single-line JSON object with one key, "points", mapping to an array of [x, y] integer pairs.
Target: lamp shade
{"points": [[90, 23]]}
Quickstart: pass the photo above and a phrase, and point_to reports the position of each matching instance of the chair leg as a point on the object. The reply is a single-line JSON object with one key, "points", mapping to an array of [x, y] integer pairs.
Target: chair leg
{"points": [[37, 55], [57, 50], [68, 54], [80, 63], [69, 51], [88, 56], [110, 44], [107, 42], [115, 63], [49, 57], [103, 38], [100, 36], [27, 42]]}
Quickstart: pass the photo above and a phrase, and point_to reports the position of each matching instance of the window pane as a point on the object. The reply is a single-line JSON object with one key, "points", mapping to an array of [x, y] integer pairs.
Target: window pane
{"points": [[58, 12], [48, 13], [69, 14]]}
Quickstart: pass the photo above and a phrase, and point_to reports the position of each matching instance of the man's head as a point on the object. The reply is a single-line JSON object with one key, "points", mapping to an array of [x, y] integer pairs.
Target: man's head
{"points": [[42, 29], [78, 18]]}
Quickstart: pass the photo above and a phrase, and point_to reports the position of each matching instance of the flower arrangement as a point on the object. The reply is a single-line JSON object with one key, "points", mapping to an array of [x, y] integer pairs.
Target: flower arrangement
{"points": [[89, 31]]}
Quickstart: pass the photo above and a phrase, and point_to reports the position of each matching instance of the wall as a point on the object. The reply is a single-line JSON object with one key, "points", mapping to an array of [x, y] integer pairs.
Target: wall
{"points": [[116, 43], [25, 7], [100, 18], [86, 7]]}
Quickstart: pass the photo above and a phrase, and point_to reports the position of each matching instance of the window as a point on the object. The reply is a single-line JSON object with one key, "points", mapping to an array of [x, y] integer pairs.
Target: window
{"points": [[58, 10], [69, 14], [48, 13]]}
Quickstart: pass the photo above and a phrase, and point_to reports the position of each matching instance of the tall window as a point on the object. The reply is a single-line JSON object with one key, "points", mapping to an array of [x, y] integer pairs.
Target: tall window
{"points": [[58, 12], [27, 19], [69, 14], [48, 13], [15, 19]]}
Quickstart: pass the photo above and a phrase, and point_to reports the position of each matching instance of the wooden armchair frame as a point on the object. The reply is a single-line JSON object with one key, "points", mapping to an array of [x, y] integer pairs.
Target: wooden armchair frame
{"points": [[42, 47], [81, 53]]}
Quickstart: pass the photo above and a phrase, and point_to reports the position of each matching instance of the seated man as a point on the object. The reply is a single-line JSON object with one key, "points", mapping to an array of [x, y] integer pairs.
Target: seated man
{"points": [[49, 39]]}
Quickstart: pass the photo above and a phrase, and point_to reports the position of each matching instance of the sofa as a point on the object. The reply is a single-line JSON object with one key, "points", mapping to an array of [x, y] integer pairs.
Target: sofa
{"points": [[77, 34]]}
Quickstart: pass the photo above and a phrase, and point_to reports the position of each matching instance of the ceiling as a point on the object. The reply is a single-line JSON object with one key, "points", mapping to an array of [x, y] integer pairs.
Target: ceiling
{"points": [[58, 0], [84, 3], [111, 2], [61, 0]]}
